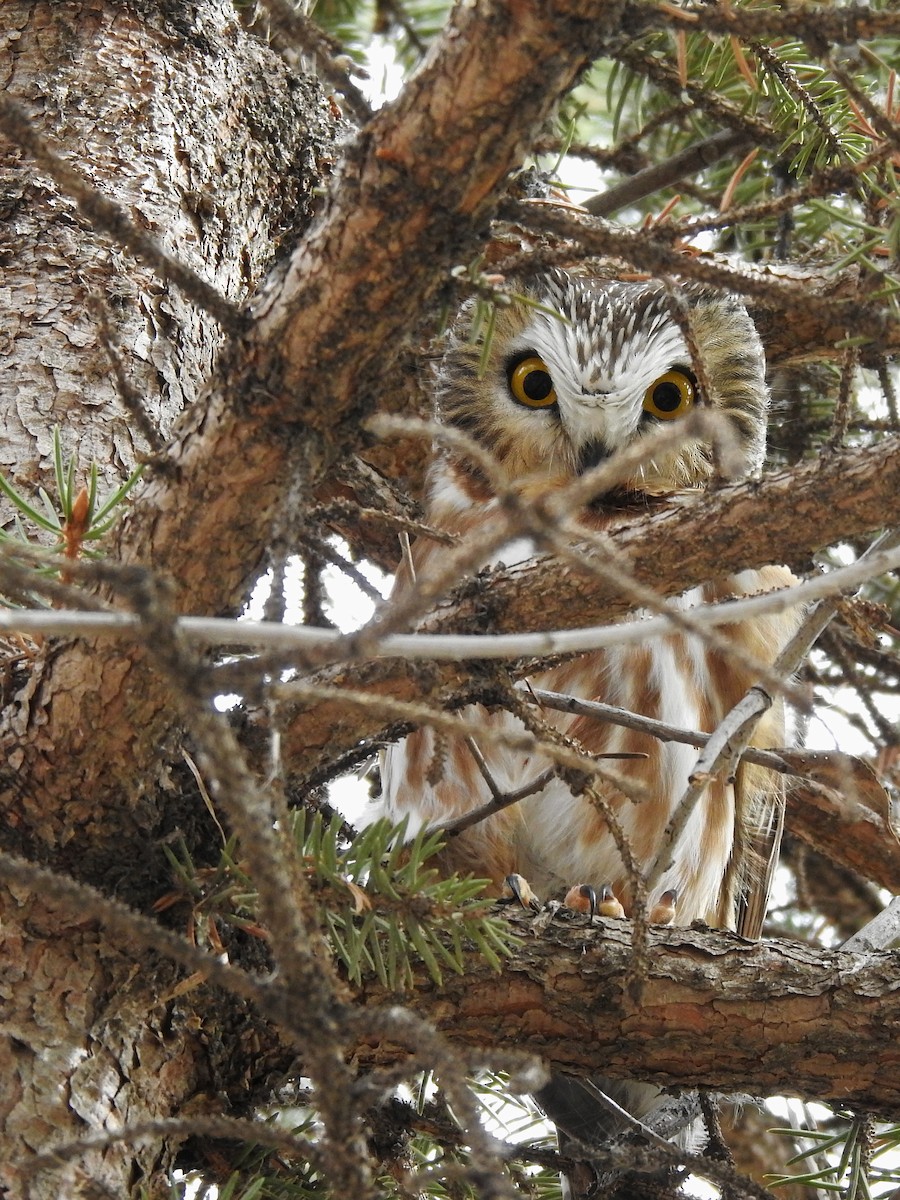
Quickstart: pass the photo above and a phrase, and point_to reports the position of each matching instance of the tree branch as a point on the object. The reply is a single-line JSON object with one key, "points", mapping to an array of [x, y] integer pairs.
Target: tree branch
{"points": [[287, 400], [331, 644], [786, 517], [689, 161], [716, 1011], [425, 173], [824, 313], [846, 831]]}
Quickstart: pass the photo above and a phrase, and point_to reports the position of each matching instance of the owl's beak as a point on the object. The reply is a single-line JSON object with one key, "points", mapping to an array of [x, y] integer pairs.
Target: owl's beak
{"points": [[592, 454]]}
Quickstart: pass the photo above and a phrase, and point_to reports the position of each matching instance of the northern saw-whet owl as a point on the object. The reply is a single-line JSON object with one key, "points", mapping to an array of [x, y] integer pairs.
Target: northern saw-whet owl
{"points": [[579, 372]]}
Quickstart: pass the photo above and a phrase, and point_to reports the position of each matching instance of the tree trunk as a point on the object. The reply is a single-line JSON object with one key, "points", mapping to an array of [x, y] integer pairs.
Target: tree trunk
{"points": [[211, 145]]}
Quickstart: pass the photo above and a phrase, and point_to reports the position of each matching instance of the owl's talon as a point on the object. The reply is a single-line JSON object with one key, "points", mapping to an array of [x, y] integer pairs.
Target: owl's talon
{"points": [[608, 904], [582, 898], [520, 892], [663, 911]]}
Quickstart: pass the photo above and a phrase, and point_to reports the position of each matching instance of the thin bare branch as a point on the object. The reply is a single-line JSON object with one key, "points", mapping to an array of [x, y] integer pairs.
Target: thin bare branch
{"points": [[658, 729], [665, 174], [132, 402], [389, 709], [259, 817], [253, 1133], [841, 420], [499, 801], [221, 631]]}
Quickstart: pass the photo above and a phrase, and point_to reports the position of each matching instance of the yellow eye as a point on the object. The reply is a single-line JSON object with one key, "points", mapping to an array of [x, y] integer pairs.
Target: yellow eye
{"points": [[669, 396], [530, 383]]}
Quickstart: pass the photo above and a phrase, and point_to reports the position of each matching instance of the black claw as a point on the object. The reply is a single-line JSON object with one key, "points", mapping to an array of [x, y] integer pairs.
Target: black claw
{"points": [[521, 893], [582, 898]]}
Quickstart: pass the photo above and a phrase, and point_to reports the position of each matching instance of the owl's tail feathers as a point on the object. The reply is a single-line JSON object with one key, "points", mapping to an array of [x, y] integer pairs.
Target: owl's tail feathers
{"points": [[587, 1123]]}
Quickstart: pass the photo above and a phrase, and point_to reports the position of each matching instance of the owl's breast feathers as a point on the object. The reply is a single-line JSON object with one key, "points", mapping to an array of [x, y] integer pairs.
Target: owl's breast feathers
{"points": [[554, 838]]}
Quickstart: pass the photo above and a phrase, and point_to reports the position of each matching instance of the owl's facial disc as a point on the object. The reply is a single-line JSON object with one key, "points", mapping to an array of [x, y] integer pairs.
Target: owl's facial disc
{"points": [[598, 422], [606, 365], [589, 367]]}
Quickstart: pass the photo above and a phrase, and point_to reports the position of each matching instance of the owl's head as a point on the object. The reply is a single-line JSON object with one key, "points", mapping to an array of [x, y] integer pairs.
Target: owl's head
{"points": [[589, 365]]}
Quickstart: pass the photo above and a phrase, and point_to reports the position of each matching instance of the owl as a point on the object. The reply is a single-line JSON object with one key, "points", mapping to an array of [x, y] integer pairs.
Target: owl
{"points": [[577, 369]]}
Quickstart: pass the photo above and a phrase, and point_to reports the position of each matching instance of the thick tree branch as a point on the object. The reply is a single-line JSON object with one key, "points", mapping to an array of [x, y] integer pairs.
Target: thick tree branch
{"points": [[716, 1011], [412, 199], [786, 517], [810, 21], [772, 1017], [847, 832]]}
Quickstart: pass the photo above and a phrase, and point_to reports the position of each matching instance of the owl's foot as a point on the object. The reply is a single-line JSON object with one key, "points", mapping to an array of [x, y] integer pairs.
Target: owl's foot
{"points": [[609, 905], [663, 911], [581, 897], [518, 891]]}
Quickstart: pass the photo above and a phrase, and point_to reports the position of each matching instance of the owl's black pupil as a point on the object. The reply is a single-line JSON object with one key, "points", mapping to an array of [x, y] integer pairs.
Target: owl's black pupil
{"points": [[666, 397], [537, 385]]}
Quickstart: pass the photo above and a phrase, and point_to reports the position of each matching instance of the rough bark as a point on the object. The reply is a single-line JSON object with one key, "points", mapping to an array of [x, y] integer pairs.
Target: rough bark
{"points": [[87, 1045], [784, 1017], [222, 192], [206, 141]]}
